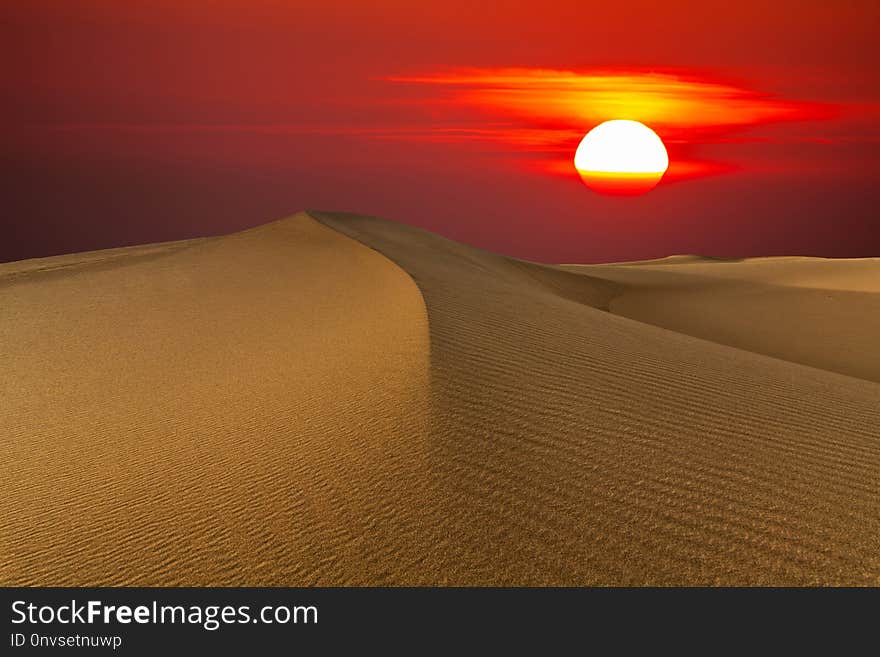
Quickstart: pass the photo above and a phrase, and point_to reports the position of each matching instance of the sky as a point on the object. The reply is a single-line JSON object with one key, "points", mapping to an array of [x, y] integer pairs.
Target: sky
{"points": [[133, 122]]}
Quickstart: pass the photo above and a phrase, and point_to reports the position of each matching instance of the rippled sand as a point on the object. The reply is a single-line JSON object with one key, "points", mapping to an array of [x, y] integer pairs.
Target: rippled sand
{"points": [[334, 399]]}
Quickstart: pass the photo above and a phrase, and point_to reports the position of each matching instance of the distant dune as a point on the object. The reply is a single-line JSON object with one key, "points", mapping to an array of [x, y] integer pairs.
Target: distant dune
{"points": [[335, 399], [815, 311]]}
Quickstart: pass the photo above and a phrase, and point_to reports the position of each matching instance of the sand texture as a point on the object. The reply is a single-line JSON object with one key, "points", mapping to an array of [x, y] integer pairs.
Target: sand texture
{"points": [[335, 399], [815, 311]]}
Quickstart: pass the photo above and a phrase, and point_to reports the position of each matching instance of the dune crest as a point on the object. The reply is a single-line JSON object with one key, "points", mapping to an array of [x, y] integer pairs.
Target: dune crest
{"points": [[579, 447]]}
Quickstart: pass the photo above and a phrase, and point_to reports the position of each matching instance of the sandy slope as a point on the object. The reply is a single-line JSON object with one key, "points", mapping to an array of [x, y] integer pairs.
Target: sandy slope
{"points": [[815, 311], [576, 446], [198, 415], [285, 406]]}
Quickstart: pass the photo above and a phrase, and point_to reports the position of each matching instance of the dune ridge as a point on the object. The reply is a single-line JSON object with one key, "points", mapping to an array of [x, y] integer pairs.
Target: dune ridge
{"points": [[579, 447], [336, 399]]}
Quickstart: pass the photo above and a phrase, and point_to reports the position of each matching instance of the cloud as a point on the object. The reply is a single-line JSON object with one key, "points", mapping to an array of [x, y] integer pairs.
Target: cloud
{"points": [[547, 111], [676, 103], [540, 115]]}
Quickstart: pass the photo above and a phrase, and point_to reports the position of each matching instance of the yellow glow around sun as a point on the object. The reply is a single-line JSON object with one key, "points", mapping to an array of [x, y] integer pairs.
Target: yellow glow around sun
{"points": [[621, 157]]}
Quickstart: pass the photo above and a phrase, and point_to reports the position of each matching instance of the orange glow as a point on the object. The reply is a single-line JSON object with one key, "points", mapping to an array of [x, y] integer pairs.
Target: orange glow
{"points": [[680, 169], [620, 184], [583, 98], [622, 158], [544, 112]]}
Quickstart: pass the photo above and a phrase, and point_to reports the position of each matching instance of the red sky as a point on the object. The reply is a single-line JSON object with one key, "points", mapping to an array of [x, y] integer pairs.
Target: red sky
{"points": [[127, 122]]}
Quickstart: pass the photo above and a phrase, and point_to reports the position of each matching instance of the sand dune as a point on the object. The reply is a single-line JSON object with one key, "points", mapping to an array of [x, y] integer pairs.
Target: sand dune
{"points": [[334, 399], [227, 411], [815, 311]]}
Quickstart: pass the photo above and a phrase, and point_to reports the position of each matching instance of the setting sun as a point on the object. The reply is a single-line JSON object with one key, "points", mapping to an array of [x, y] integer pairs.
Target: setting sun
{"points": [[621, 158]]}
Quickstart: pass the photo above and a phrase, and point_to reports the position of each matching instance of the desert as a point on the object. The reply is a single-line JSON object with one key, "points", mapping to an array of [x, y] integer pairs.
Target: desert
{"points": [[334, 399]]}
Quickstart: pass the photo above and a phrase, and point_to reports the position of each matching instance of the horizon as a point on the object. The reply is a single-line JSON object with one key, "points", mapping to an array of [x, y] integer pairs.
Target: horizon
{"points": [[146, 123], [338, 213]]}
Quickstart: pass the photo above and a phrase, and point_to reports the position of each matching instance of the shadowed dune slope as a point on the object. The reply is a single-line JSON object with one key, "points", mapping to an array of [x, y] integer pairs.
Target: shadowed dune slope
{"points": [[234, 410], [815, 311], [573, 446]]}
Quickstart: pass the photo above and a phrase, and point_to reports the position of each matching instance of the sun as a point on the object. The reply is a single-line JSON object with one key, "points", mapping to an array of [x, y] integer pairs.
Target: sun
{"points": [[621, 158]]}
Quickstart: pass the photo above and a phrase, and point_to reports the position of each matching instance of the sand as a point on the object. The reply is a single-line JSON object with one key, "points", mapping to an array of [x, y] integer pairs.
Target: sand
{"points": [[815, 311], [334, 399], [225, 411]]}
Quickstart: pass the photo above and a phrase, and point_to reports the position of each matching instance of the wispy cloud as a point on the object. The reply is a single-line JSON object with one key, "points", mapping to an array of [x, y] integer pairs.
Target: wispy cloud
{"points": [[540, 115], [674, 102], [548, 111]]}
